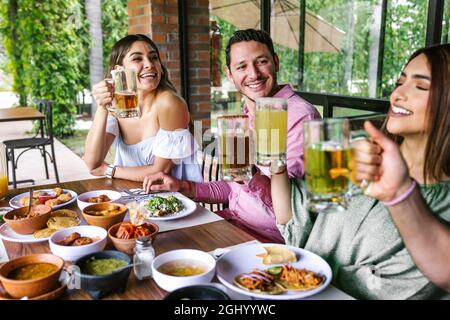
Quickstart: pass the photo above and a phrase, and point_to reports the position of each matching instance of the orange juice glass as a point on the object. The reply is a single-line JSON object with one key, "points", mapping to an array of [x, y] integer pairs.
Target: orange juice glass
{"points": [[3, 173]]}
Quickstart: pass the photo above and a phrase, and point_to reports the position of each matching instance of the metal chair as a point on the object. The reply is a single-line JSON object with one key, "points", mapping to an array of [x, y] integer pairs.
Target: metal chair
{"points": [[43, 138]]}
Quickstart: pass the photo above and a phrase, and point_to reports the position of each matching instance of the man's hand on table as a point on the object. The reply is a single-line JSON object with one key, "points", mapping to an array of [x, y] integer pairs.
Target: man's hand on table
{"points": [[164, 182]]}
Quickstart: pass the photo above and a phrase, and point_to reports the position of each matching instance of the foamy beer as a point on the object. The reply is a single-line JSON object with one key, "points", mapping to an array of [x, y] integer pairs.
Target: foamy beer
{"points": [[328, 164], [235, 156], [125, 104], [271, 131]]}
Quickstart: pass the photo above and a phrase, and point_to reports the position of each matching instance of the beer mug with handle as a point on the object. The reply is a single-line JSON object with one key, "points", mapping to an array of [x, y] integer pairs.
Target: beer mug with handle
{"points": [[271, 131], [328, 164], [125, 104], [235, 147]]}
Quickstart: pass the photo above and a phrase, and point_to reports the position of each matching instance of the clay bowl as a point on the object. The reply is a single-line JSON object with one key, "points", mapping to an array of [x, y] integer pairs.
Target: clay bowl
{"points": [[104, 221], [29, 225], [127, 245], [34, 287]]}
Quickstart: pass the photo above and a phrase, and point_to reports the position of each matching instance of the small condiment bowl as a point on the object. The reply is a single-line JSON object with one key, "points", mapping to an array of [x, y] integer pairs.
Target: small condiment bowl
{"points": [[98, 286], [34, 287], [82, 199], [29, 225], [104, 221], [72, 253], [171, 283], [127, 245]]}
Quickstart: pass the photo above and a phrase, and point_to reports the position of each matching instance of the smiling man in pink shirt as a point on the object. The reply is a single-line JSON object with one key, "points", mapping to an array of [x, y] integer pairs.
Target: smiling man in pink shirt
{"points": [[252, 66]]}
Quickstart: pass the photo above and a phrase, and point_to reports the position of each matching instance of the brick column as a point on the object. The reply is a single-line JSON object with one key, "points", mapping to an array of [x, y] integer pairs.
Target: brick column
{"points": [[159, 20], [199, 60]]}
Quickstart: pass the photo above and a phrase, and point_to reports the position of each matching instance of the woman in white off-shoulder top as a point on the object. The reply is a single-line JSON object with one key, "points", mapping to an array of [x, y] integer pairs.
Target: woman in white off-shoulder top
{"points": [[158, 140]]}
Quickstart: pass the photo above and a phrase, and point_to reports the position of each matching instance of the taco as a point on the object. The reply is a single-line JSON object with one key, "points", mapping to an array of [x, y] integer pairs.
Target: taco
{"points": [[295, 279], [258, 281]]}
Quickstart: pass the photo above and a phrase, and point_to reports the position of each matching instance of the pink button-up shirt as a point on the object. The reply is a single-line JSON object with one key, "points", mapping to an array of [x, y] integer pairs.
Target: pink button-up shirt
{"points": [[250, 204]]}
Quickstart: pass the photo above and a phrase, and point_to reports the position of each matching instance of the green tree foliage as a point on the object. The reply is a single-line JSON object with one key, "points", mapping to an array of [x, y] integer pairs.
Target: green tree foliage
{"points": [[324, 71], [114, 25], [406, 24], [52, 37]]}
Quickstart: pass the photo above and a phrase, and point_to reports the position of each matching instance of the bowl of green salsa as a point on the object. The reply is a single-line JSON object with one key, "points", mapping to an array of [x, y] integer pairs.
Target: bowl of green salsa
{"points": [[105, 272]]}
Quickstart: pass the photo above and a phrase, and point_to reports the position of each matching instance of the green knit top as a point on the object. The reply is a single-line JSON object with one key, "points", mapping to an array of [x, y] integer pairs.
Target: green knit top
{"points": [[363, 246]]}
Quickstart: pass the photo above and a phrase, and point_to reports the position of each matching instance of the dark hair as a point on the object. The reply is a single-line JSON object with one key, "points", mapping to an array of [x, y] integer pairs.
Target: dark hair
{"points": [[249, 35], [121, 48], [437, 150]]}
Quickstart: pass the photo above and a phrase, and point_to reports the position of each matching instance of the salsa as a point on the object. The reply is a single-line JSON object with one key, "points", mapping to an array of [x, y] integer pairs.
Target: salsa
{"points": [[32, 271], [101, 267]]}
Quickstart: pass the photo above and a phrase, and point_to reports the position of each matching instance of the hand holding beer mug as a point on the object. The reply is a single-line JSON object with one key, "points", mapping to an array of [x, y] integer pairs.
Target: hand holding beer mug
{"points": [[125, 103], [271, 132], [235, 156], [328, 164]]}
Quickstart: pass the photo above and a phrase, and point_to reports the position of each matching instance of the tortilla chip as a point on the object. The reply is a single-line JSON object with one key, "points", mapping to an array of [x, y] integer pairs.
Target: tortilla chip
{"points": [[64, 213], [62, 222], [277, 254], [44, 233]]}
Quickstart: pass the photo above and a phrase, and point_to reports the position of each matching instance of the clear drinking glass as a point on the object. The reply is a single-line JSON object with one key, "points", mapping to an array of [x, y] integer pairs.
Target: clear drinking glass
{"points": [[235, 156], [3, 173], [271, 131], [328, 164], [125, 104]]}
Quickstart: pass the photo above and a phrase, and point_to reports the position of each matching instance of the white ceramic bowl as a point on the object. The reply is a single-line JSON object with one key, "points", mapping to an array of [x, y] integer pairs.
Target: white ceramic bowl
{"points": [[72, 253], [171, 283], [83, 198]]}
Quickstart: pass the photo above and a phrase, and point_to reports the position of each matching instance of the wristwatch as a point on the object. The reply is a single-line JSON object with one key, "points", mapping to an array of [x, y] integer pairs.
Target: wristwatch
{"points": [[110, 171]]}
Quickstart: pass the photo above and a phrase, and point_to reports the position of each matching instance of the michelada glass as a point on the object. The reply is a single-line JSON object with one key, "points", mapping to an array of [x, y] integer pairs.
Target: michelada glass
{"points": [[328, 164], [271, 131], [235, 152], [125, 104]]}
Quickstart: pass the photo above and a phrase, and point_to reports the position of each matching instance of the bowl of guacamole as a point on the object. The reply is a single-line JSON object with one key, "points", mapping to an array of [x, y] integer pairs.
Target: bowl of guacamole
{"points": [[104, 272]]}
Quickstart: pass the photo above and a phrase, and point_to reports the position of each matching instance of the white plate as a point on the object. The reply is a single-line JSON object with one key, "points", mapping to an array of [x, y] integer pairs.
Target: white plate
{"points": [[9, 234], [6, 233], [14, 202], [243, 259], [189, 206]]}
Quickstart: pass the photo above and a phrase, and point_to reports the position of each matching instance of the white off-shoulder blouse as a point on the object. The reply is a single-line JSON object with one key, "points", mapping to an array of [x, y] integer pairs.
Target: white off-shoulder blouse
{"points": [[179, 145]]}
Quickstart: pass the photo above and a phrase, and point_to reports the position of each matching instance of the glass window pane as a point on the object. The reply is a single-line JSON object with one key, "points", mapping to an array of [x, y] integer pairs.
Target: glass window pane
{"points": [[446, 22], [342, 46], [226, 17], [406, 24]]}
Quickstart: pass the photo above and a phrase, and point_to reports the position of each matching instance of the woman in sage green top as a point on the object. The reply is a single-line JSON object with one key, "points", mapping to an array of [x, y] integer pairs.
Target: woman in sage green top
{"points": [[393, 244]]}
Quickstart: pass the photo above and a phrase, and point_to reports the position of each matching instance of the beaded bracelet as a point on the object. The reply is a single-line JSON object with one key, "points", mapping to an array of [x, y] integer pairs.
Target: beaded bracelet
{"points": [[403, 196]]}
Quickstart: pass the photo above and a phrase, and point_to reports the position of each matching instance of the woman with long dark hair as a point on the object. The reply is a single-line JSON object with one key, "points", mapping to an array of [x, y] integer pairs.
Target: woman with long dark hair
{"points": [[393, 242], [158, 140]]}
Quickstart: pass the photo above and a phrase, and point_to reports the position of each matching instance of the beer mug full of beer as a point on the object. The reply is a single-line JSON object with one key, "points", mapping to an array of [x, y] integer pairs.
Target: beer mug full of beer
{"points": [[328, 164], [235, 147], [125, 103], [271, 131]]}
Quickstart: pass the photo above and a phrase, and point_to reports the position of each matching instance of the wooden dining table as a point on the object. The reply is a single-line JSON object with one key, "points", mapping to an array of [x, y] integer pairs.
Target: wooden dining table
{"points": [[206, 237], [20, 114]]}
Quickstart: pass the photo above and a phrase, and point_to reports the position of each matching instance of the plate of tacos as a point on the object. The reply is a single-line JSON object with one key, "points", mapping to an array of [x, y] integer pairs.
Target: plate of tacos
{"points": [[273, 271]]}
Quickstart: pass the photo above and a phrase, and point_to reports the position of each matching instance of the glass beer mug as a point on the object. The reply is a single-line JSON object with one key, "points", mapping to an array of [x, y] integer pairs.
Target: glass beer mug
{"points": [[125, 104], [3, 173], [235, 151], [271, 131], [328, 164]]}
